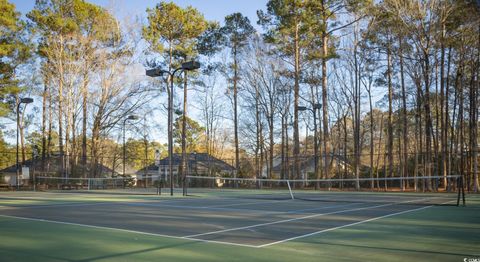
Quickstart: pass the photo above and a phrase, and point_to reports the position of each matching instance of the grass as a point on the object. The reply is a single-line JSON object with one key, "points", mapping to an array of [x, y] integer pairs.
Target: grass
{"points": [[439, 233]]}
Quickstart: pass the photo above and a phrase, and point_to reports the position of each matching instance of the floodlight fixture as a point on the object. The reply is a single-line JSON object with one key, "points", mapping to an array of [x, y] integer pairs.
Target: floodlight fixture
{"points": [[154, 72], [190, 65], [132, 117], [302, 108], [26, 100]]}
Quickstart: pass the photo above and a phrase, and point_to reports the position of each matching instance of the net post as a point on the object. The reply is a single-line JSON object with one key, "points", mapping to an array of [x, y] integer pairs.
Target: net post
{"points": [[461, 191], [160, 183], [185, 186], [290, 189]]}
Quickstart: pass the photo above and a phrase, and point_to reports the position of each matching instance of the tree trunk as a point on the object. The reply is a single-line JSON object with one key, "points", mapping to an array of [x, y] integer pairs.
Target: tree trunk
{"points": [[95, 143], [60, 108], [272, 141], [460, 131], [314, 96], [345, 149], [235, 113], [454, 136], [379, 153], [372, 144], [74, 155], [476, 181], [404, 118], [443, 111], [473, 119], [296, 94], [446, 125], [49, 132], [145, 163], [287, 150], [475, 86], [435, 134], [258, 134], [326, 137], [390, 112], [282, 151], [44, 121], [68, 126], [428, 120], [418, 138], [84, 124], [357, 101]]}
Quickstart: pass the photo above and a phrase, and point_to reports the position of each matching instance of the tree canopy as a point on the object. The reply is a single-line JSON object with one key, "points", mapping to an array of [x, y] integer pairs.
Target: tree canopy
{"points": [[14, 50]]}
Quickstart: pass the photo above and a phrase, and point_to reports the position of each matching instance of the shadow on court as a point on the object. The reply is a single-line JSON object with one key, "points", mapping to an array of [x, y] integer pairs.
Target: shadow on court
{"points": [[245, 222], [395, 249], [134, 252]]}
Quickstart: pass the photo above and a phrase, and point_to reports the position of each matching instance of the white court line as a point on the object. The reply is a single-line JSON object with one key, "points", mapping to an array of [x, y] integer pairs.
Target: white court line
{"points": [[349, 225], [213, 241], [305, 210], [202, 208], [60, 205], [248, 203], [265, 212], [300, 218], [24, 197], [339, 227], [128, 231]]}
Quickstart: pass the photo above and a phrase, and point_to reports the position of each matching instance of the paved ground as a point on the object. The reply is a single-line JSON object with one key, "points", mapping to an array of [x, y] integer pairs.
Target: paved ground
{"points": [[231, 221]]}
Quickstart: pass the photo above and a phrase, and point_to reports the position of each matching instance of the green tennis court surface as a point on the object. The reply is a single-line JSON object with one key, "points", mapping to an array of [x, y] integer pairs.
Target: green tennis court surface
{"points": [[128, 227]]}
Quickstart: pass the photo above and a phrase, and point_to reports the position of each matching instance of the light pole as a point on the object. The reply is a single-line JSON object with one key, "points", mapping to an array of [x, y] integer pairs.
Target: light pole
{"points": [[130, 117], [187, 66], [314, 109], [25, 100]]}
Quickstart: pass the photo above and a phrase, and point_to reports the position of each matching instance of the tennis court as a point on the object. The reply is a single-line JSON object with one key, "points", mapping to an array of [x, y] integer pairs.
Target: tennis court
{"points": [[234, 222], [252, 223]]}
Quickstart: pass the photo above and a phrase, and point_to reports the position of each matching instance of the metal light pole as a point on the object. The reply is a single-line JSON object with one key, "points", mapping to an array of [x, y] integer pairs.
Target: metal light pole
{"points": [[25, 100], [187, 66], [314, 111], [130, 117]]}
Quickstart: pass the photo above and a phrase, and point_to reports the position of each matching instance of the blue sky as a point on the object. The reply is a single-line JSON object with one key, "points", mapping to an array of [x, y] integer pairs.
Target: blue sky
{"points": [[215, 10], [212, 9]]}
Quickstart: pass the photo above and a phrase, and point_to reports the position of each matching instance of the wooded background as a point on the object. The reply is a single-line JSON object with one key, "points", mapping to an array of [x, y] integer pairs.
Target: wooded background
{"points": [[393, 86]]}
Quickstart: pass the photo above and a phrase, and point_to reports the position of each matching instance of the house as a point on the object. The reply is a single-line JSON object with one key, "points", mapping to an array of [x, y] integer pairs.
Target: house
{"points": [[51, 167], [307, 166], [201, 164]]}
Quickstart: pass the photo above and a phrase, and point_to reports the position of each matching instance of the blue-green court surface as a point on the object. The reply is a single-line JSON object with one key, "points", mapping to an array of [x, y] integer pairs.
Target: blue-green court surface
{"points": [[40, 226]]}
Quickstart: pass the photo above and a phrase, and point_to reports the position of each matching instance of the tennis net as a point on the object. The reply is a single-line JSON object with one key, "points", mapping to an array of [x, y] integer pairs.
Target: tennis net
{"points": [[123, 185], [433, 190]]}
